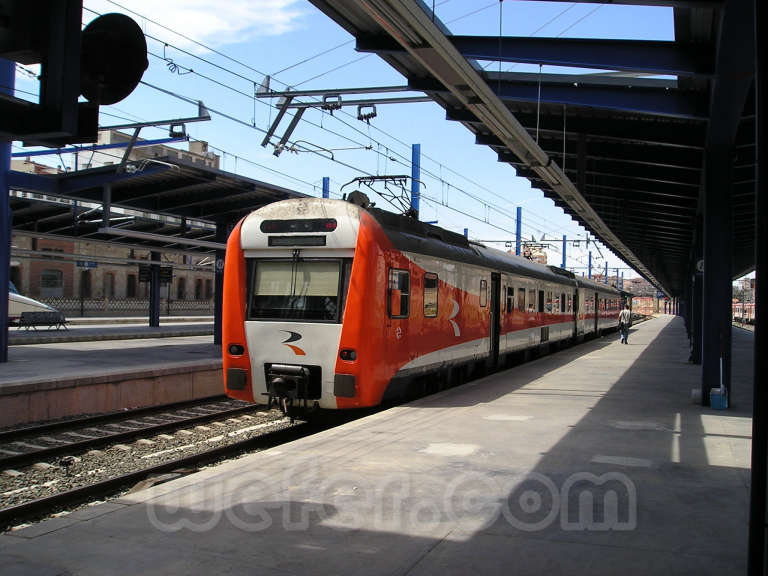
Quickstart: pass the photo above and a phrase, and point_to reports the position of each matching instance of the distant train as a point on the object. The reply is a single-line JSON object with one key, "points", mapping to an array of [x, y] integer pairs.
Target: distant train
{"points": [[744, 312], [18, 304], [331, 304]]}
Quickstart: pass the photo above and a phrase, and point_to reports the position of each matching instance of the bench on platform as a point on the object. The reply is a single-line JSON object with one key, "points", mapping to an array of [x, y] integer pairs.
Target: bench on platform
{"points": [[50, 319]]}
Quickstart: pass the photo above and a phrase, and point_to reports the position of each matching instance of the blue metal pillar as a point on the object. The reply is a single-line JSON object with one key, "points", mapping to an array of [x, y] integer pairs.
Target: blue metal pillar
{"points": [[563, 265], [222, 233], [605, 279], [466, 232], [518, 230], [589, 268], [7, 83], [415, 176], [758, 514], [622, 281], [154, 290], [326, 187]]}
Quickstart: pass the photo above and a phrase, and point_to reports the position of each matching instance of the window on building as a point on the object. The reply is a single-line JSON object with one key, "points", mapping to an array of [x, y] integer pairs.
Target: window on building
{"points": [[51, 284], [430, 295], [399, 292], [208, 289], [130, 286], [483, 293], [181, 289], [199, 289]]}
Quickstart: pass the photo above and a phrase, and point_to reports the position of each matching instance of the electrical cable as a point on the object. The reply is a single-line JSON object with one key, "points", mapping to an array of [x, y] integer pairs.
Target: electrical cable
{"points": [[337, 134]]}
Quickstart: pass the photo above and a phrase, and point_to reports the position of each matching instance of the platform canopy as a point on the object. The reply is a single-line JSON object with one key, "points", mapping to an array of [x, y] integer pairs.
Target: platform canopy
{"points": [[167, 202], [621, 149]]}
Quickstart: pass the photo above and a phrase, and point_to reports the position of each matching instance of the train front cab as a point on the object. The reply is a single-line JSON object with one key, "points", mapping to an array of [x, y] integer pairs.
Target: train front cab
{"points": [[286, 285]]}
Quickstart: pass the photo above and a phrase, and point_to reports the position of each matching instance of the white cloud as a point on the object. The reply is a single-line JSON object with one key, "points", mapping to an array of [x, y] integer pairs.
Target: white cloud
{"points": [[214, 23]]}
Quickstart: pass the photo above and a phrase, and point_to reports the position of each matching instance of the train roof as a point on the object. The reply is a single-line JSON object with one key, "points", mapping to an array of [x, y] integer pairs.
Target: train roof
{"points": [[587, 283], [411, 235]]}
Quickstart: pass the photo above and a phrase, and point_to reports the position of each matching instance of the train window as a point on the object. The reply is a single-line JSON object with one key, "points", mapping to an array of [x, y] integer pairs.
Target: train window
{"points": [[541, 300], [430, 295], [345, 284], [562, 303], [483, 293], [521, 299], [531, 300], [399, 293], [548, 309], [510, 300], [306, 290]]}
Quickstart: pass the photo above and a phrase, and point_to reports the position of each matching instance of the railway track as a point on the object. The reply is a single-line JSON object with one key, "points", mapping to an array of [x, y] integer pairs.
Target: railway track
{"points": [[55, 477], [25, 446], [69, 499]]}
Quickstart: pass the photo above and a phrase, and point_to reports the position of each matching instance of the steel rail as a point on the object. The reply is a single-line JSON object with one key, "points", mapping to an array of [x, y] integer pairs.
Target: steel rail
{"points": [[8, 435], [43, 506], [27, 458]]}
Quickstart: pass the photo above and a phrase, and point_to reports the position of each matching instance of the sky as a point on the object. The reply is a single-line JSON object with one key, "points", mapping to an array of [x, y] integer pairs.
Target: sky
{"points": [[220, 52]]}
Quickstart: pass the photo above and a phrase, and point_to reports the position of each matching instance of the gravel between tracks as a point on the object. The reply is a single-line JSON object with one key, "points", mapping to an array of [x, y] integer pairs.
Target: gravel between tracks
{"points": [[53, 476]]}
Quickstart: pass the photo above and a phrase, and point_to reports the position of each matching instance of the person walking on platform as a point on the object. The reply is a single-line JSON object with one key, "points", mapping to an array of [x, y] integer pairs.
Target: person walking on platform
{"points": [[625, 319]]}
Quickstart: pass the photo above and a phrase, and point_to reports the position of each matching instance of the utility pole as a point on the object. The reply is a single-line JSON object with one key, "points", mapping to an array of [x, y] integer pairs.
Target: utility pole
{"points": [[518, 230], [564, 242], [415, 177]]}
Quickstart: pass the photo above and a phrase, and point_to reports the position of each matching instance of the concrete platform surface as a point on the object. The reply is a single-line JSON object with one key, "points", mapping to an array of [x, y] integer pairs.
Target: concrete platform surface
{"points": [[34, 365], [589, 461], [108, 330], [43, 382]]}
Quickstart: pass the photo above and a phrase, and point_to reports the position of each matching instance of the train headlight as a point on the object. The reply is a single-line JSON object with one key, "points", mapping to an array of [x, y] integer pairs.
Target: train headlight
{"points": [[348, 354], [236, 350]]}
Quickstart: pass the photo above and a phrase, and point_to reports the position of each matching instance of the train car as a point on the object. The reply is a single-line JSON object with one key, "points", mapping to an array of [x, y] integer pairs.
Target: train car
{"points": [[340, 305], [18, 304], [600, 305], [744, 312]]}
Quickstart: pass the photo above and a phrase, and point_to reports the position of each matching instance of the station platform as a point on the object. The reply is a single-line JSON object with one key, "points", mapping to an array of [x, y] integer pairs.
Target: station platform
{"points": [[591, 461], [94, 370], [91, 329]]}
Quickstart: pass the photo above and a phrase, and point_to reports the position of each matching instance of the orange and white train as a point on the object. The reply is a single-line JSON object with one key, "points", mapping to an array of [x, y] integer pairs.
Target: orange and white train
{"points": [[329, 304]]}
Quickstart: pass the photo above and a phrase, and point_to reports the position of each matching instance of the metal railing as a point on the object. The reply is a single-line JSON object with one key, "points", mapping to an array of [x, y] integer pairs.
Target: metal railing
{"points": [[116, 307]]}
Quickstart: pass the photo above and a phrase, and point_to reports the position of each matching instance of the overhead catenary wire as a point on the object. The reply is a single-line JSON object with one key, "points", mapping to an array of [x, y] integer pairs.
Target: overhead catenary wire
{"points": [[249, 96], [476, 198]]}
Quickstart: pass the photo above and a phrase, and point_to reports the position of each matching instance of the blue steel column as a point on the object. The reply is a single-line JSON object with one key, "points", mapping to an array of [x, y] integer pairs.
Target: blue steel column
{"points": [[7, 82], [415, 176], [563, 265], [758, 512], [326, 187], [622, 280], [466, 232], [589, 267], [154, 290], [605, 278], [222, 233], [518, 230]]}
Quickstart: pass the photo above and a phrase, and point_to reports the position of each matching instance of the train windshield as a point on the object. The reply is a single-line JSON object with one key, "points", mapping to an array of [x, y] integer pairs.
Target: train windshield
{"points": [[298, 290]]}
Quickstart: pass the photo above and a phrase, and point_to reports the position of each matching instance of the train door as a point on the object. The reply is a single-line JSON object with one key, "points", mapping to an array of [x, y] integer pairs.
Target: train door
{"points": [[597, 312], [575, 312], [495, 318]]}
